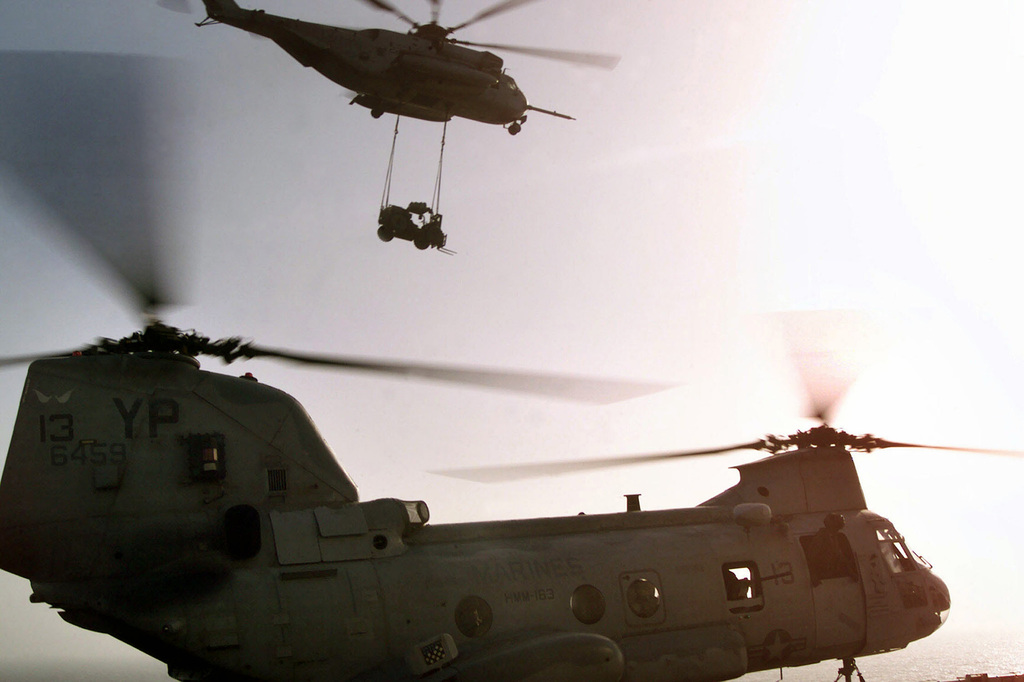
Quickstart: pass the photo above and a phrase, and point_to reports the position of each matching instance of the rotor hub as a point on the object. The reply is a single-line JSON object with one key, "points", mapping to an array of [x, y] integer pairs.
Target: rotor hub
{"points": [[433, 32], [161, 338], [823, 436]]}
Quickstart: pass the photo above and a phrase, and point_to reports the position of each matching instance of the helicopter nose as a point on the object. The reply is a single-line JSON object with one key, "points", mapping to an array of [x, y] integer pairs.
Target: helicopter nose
{"points": [[932, 618], [520, 105], [938, 593]]}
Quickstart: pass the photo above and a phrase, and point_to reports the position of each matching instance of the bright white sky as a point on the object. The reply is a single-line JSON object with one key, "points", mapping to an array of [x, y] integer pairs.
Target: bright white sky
{"points": [[744, 158]]}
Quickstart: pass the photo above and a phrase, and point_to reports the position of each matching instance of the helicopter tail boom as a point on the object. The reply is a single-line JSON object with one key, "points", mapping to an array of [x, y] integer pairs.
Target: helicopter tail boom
{"points": [[218, 9]]}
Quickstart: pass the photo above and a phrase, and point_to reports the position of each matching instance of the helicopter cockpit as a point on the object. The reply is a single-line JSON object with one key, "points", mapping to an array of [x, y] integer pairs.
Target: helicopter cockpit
{"points": [[901, 586], [897, 555]]}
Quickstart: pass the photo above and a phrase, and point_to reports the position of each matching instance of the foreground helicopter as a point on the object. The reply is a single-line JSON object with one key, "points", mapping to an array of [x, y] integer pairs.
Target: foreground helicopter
{"points": [[201, 519], [424, 74]]}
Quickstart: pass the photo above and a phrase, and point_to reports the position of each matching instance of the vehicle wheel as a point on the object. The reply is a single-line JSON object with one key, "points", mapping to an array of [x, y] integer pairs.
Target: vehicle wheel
{"points": [[384, 234], [421, 241]]}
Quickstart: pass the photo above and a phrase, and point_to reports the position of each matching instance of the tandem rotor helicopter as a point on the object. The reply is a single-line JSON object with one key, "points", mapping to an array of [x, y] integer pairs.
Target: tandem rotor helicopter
{"points": [[202, 519]]}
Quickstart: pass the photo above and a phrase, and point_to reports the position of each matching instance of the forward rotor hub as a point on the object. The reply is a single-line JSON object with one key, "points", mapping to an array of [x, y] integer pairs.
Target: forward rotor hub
{"points": [[823, 436]]}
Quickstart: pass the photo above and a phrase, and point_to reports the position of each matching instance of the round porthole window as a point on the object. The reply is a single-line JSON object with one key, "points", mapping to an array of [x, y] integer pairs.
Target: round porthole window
{"points": [[473, 616], [643, 597], [587, 604]]}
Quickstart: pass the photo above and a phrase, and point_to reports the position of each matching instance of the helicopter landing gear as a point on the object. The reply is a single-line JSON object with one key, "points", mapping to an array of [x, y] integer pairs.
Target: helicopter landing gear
{"points": [[376, 113], [849, 668], [516, 126]]}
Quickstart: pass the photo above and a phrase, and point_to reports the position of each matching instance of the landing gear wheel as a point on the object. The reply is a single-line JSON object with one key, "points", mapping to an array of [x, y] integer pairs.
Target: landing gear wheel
{"points": [[848, 669], [376, 113], [421, 241], [515, 128], [384, 234]]}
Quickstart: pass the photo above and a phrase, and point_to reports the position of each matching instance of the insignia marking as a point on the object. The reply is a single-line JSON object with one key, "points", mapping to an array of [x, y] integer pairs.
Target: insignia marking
{"points": [[63, 398]]}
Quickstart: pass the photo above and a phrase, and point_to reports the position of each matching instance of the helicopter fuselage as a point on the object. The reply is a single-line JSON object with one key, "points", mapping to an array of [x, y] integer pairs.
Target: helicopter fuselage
{"points": [[201, 518], [390, 72]]}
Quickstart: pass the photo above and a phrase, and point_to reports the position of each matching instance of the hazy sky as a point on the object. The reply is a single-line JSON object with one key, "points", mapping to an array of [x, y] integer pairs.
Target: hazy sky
{"points": [[745, 158]]}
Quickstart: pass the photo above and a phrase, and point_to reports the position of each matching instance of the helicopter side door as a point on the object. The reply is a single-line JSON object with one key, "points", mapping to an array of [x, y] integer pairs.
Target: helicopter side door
{"points": [[836, 589]]}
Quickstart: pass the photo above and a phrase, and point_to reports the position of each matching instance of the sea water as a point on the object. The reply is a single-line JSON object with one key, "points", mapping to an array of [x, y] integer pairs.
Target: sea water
{"points": [[943, 657]]}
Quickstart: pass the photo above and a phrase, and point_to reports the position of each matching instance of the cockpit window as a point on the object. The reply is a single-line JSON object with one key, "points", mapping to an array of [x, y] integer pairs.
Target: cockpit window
{"points": [[895, 551]]}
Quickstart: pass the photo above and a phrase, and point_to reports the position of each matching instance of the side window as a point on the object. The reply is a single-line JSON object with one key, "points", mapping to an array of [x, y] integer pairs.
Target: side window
{"points": [[828, 552], [894, 550], [641, 593], [206, 458], [742, 586]]}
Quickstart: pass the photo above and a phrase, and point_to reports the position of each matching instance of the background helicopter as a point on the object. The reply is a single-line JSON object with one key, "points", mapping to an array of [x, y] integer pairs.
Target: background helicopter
{"points": [[425, 74], [515, 304]]}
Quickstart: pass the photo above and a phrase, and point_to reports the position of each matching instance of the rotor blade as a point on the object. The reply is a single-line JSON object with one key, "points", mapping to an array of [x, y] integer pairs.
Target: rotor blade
{"points": [[498, 8], [388, 7], [881, 443], [507, 473], [12, 360], [831, 350], [601, 61], [566, 387], [179, 6], [91, 138]]}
